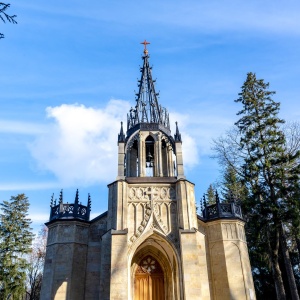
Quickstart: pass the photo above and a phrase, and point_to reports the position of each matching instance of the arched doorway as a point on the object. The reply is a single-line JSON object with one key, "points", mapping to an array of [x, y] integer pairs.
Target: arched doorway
{"points": [[149, 280]]}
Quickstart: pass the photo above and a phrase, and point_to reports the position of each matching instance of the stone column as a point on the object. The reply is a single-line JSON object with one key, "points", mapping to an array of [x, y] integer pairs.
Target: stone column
{"points": [[194, 266], [170, 161], [159, 148], [128, 166], [179, 160], [142, 157], [186, 205], [121, 159], [117, 205], [119, 266]]}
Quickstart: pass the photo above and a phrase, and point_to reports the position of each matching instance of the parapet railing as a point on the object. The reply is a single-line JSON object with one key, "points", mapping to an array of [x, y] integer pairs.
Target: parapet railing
{"points": [[222, 210], [70, 211]]}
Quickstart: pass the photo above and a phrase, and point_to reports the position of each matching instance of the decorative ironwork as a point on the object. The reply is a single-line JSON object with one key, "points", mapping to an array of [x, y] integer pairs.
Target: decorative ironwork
{"points": [[231, 209], [147, 109], [70, 211], [222, 210], [150, 126]]}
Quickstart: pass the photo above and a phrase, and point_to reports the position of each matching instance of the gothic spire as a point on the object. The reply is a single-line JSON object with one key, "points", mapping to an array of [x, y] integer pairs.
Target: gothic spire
{"points": [[177, 135], [147, 109], [121, 135], [77, 197]]}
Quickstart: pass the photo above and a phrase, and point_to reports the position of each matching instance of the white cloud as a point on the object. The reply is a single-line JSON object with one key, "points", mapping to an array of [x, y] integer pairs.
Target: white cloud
{"points": [[81, 145], [189, 144], [38, 217]]}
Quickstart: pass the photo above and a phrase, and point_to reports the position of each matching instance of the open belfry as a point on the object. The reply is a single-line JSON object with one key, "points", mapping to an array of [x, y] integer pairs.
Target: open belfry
{"points": [[150, 244]]}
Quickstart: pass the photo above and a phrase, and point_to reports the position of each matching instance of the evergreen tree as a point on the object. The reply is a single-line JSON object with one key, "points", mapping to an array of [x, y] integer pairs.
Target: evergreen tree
{"points": [[232, 186], [265, 157], [268, 171], [15, 243], [210, 195]]}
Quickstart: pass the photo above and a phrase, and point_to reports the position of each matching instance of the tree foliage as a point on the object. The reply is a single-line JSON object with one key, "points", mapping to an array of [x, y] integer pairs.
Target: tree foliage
{"points": [[232, 185], [5, 17], [15, 244], [267, 164], [210, 195], [35, 268]]}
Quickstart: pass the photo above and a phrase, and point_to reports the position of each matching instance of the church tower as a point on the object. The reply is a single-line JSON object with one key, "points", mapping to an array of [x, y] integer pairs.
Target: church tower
{"points": [[150, 244]]}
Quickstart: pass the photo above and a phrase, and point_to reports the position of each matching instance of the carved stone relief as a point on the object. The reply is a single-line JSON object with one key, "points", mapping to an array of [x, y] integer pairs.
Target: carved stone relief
{"points": [[132, 139], [241, 232], [152, 193], [157, 203]]}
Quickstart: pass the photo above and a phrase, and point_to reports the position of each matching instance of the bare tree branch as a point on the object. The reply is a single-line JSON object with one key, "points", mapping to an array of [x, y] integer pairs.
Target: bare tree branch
{"points": [[4, 16]]}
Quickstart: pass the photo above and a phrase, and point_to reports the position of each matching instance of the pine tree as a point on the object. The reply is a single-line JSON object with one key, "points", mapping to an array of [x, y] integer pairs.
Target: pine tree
{"points": [[210, 195], [269, 172], [15, 243], [232, 186]]}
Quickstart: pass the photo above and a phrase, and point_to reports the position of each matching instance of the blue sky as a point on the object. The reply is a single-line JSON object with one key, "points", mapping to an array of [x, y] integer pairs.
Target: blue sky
{"points": [[69, 70]]}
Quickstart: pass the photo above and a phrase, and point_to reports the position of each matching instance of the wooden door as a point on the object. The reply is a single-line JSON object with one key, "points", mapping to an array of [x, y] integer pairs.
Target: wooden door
{"points": [[149, 280]]}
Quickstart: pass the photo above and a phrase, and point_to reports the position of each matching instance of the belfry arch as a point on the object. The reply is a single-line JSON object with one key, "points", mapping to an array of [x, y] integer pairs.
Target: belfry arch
{"points": [[150, 154]]}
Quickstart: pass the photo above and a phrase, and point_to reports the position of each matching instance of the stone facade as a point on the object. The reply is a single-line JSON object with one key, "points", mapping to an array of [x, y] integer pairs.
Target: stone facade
{"points": [[150, 244]]}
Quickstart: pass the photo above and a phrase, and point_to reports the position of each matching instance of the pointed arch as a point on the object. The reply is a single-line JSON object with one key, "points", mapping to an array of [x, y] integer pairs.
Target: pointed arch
{"points": [[131, 153], [167, 151], [164, 252]]}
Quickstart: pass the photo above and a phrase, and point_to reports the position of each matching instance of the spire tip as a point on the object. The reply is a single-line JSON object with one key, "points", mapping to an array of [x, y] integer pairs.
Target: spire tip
{"points": [[145, 43]]}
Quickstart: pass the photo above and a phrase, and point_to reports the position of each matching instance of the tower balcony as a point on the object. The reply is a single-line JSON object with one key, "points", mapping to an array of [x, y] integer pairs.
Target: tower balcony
{"points": [[69, 210], [222, 211]]}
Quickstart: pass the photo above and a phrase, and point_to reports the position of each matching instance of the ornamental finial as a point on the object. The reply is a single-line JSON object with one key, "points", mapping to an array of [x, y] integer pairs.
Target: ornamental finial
{"points": [[145, 43]]}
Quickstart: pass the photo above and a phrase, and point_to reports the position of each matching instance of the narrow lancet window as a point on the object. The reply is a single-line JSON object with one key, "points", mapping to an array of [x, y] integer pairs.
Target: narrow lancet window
{"points": [[150, 157]]}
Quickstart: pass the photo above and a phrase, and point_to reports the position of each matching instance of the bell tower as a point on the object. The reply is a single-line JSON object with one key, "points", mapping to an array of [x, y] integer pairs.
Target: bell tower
{"points": [[151, 209], [150, 244], [149, 150]]}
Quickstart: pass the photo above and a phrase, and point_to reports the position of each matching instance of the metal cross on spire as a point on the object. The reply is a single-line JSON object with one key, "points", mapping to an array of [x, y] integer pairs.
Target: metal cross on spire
{"points": [[147, 109], [145, 43]]}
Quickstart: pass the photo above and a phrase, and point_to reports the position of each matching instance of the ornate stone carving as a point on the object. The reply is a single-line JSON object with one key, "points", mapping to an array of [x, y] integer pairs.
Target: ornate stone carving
{"points": [[160, 224], [141, 227], [131, 141], [154, 200], [229, 231], [152, 193]]}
